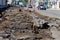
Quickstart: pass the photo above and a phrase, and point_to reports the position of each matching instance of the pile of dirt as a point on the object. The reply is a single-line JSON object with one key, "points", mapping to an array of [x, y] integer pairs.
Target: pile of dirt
{"points": [[15, 18]]}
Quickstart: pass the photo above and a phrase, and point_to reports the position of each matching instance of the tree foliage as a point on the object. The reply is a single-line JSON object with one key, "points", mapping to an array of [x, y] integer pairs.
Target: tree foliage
{"points": [[26, 1]]}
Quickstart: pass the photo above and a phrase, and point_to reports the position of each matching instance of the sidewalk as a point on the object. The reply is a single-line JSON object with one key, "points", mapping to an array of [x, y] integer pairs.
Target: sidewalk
{"points": [[53, 9]]}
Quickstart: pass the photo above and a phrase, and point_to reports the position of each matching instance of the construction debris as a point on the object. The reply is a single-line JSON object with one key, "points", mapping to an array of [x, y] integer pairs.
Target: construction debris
{"points": [[27, 25]]}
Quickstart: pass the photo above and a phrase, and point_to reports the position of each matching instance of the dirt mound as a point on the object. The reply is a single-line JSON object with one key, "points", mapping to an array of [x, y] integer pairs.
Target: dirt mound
{"points": [[15, 18]]}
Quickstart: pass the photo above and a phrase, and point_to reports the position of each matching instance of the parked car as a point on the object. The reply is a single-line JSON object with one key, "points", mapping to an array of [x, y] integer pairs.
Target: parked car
{"points": [[42, 7], [30, 6]]}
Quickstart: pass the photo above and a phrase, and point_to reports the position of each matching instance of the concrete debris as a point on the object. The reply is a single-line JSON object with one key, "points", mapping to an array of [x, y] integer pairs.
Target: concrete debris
{"points": [[19, 24]]}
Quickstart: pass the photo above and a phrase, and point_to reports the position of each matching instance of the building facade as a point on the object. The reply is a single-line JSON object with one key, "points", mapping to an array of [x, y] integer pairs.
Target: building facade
{"points": [[54, 4], [48, 3]]}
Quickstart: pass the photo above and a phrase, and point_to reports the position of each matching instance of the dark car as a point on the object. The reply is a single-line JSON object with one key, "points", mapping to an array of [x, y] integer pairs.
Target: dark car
{"points": [[42, 6], [30, 6]]}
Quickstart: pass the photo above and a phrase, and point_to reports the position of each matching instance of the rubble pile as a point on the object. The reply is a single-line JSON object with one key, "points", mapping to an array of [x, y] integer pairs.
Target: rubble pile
{"points": [[26, 25], [15, 18], [40, 21]]}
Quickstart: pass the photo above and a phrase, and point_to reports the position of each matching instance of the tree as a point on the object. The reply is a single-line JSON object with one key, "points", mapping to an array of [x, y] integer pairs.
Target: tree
{"points": [[26, 1]]}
